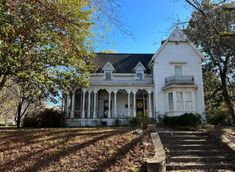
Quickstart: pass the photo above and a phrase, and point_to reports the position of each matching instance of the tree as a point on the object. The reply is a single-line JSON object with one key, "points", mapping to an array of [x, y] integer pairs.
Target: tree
{"points": [[26, 95], [212, 90], [212, 28], [7, 103], [45, 42], [18, 99]]}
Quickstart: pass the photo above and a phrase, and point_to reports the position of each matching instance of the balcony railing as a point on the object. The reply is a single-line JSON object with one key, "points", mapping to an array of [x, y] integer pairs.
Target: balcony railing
{"points": [[178, 80]]}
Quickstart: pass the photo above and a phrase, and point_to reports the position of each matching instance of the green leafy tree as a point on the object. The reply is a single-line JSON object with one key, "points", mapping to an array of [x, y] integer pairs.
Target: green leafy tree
{"points": [[212, 29], [212, 91], [45, 42]]}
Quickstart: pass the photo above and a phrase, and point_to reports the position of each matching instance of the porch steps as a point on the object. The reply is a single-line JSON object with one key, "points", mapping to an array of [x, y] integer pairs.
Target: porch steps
{"points": [[194, 151]]}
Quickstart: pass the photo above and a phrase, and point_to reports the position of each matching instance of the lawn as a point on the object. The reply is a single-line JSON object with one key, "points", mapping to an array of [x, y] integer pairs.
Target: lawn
{"points": [[83, 149]]}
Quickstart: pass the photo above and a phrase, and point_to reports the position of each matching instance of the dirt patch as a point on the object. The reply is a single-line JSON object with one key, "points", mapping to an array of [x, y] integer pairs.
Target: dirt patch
{"points": [[88, 149]]}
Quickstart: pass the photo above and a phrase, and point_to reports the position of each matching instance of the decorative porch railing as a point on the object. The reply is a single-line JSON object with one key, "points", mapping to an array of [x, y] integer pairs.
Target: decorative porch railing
{"points": [[78, 114], [174, 80]]}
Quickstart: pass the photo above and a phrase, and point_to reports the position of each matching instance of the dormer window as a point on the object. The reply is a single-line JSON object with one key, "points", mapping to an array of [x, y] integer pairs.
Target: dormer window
{"points": [[139, 75], [139, 71], [108, 74], [108, 71]]}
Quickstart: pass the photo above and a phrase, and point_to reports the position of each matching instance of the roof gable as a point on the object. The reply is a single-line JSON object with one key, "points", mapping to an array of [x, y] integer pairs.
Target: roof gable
{"points": [[139, 66], [177, 36], [108, 66]]}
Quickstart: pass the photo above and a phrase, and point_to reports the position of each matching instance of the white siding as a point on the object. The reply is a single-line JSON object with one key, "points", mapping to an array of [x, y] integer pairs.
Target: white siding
{"points": [[163, 67]]}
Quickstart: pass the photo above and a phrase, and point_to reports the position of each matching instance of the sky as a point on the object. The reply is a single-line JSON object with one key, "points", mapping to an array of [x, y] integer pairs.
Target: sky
{"points": [[149, 21]]}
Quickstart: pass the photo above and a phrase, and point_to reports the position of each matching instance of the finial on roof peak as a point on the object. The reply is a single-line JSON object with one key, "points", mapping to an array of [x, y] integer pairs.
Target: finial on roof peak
{"points": [[177, 35]]}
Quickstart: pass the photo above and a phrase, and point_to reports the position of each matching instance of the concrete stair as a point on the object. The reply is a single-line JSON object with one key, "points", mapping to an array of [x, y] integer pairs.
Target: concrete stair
{"points": [[195, 151]]}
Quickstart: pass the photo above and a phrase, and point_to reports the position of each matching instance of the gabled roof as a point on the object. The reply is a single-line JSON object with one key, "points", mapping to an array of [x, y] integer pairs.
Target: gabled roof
{"points": [[108, 66], [139, 65], [123, 63], [177, 36]]}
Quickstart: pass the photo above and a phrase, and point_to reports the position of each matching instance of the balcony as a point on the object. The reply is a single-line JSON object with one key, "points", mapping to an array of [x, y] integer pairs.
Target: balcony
{"points": [[179, 80]]}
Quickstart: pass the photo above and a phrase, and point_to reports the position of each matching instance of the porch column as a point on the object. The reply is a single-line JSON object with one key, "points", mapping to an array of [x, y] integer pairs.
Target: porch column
{"points": [[83, 102], [115, 102], [109, 112], [129, 108], [62, 103], [89, 105], [67, 104], [73, 103], [150, 104], [134, 104], [94, 111]]}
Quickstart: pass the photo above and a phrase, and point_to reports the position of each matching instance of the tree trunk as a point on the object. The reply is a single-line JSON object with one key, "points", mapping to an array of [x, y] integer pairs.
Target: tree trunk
{"points": [[227, 98], [18, 118]]}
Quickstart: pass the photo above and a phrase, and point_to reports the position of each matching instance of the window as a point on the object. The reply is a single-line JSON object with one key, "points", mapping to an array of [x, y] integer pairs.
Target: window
{"points": [[108, 74], [139, 75], [178, 70], [170, 101], [179, 101], [188, 101]]}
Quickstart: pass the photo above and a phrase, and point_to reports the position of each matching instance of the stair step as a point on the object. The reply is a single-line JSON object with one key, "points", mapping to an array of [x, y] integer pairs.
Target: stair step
{"points": [[185, 141], [196, 152], [183, 135], [200, 159], [190, 146], [203, 170], [177, 138], [208, 166], [182, 132]]}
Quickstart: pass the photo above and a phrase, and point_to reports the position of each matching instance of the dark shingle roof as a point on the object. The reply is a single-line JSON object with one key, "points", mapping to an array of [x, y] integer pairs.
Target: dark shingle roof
{"points": [[123, 63]]}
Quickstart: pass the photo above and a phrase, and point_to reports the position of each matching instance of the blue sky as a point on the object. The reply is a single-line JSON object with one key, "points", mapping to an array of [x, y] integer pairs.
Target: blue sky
{"points": [[150, 21]]}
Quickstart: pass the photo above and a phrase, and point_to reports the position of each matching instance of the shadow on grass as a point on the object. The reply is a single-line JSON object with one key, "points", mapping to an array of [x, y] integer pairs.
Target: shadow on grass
{"points": [[121, 152], [29, 139], [44, 157]]}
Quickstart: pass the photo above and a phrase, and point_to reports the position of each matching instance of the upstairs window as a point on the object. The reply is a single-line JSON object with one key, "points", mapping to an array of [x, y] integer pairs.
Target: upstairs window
{"points": [[178, 70], [108, 71], [139, 71], [139, 75], [108, 74]]}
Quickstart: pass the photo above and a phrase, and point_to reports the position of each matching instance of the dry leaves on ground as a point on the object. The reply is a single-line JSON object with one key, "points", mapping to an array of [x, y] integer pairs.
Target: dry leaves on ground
{"points": [[84, 149]]}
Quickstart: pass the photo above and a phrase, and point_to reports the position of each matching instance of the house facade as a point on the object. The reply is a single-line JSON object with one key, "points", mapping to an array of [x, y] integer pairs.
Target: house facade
{"points": [[168, 82]]}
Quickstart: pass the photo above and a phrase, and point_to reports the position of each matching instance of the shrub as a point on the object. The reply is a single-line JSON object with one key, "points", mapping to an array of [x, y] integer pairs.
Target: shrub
{"points": [[46, 118], [187, 120], [217, 117], [152, 121], [141, 120], [30, 121], [52, 118], [133, 122]]}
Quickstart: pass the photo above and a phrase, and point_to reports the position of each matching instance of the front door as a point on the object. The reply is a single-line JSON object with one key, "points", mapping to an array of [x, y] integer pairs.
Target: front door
{"points": [[106, 108], [140, 107]]}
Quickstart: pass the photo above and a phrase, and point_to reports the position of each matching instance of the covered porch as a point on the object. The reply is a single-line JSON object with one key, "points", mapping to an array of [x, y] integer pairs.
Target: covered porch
{"points": [[107, 106]]}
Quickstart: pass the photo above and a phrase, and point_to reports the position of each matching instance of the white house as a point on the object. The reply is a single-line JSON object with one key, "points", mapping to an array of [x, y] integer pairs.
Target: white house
{"points": [[168, 82]]}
